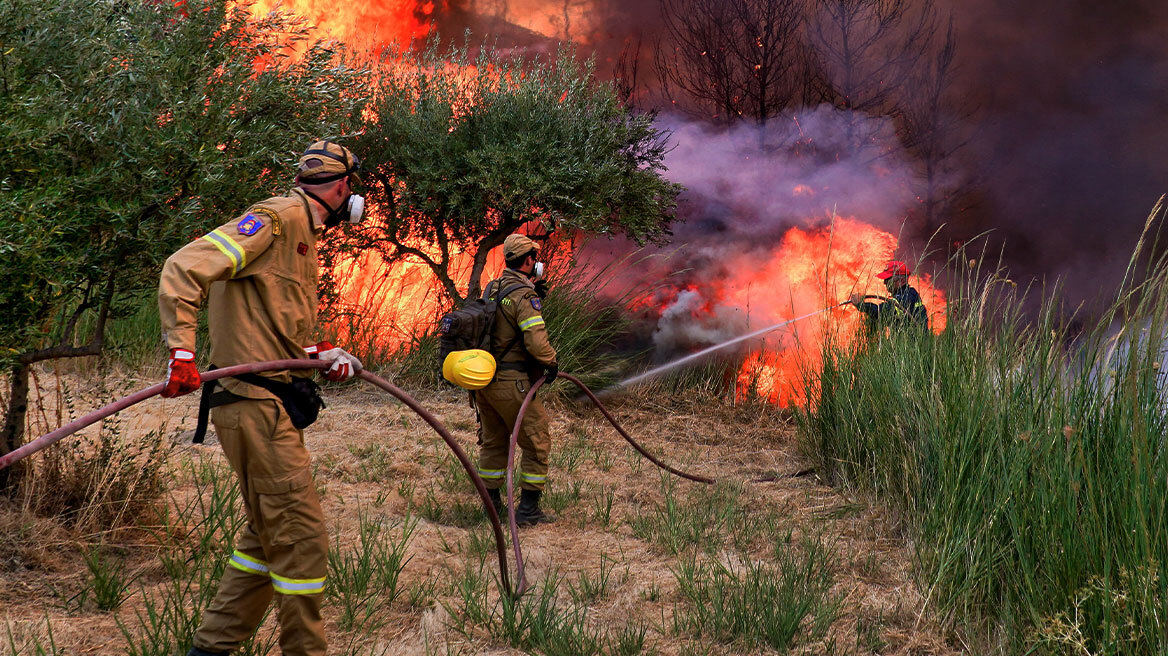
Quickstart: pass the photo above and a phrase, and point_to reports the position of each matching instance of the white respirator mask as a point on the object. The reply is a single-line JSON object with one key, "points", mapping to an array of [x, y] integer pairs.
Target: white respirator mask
{"points": [[537, 270], [356, 206]]}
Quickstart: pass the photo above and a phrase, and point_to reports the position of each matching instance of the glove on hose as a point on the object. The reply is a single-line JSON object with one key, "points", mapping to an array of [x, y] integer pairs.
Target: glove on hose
{"points": [[541, 288], [345, 364], [182, 376], [550, 374]]}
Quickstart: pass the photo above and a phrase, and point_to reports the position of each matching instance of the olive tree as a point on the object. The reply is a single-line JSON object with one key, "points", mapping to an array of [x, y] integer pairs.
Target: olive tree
{"points": [[130, 128], [460, 152]]}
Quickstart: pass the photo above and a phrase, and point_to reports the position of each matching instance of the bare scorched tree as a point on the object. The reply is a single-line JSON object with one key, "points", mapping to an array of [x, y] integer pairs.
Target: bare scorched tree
{"points": [[731, 59], [933, 126], [864, 52]]}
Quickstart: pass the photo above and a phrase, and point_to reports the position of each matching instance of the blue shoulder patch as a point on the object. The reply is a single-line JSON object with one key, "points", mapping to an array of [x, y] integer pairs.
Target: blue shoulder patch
{"points": [[536, 304], [249, 225]]}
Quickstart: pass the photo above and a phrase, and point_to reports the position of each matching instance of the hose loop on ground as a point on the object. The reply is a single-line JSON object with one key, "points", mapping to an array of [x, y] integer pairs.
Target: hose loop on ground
{"points": [[520, 570]]}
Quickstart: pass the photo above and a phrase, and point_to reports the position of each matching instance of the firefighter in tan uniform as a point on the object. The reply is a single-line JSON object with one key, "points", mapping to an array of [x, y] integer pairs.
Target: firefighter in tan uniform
{"points": [[519, 343], [259, 276]]}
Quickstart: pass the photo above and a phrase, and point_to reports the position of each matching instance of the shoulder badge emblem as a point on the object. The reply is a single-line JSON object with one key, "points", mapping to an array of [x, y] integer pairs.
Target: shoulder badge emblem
{"points": [[536, 304], [277, 225], [249, 225]]}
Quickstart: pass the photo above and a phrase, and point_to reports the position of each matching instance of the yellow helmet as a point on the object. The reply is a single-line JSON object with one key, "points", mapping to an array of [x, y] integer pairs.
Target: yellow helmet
{"points": [[473, 369]]}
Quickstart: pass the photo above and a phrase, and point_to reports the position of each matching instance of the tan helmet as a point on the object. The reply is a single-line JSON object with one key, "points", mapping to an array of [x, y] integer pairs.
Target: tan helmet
{"points": [[516, 246], [472, 369], [325, 161]]}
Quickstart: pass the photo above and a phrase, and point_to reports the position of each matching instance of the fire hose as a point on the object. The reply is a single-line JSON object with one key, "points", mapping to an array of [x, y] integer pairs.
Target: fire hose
{"points": [[48, 439], [279, 365], [521, 584], [72, 427]]}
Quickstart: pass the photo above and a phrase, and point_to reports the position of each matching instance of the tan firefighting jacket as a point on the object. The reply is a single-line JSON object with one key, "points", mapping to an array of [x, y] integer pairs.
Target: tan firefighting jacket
{"points": [[521, 312], [259, 276]]}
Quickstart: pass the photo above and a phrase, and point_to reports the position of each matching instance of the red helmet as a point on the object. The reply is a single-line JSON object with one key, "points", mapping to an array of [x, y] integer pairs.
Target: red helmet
{"points": [[894, 268]]}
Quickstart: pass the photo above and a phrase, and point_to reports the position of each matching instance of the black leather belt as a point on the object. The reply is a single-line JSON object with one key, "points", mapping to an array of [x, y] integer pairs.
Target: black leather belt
{"points": [[513, 366], [211, 398]]}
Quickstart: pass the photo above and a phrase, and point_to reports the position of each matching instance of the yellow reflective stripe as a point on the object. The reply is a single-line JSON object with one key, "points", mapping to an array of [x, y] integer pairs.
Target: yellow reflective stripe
{"points": [[492, 473], [228, 247], [533, 478], [246, 563], [285, 585], [537, 320]]}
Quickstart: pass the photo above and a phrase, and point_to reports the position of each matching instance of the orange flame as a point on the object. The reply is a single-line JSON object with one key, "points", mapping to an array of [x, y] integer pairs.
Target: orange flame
{"points": [[375, 24], [811, 269], [388, 306]]}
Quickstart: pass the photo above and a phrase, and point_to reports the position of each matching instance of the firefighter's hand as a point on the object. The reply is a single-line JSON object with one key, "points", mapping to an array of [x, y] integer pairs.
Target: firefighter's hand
{"points": [[550, 373], [182, 376], [856, 299], [541, 288], [345, 364]]}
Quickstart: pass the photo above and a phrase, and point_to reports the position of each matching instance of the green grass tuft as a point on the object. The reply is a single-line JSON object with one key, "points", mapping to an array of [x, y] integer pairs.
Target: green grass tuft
{"points": [[759, 603], [362, 580]]}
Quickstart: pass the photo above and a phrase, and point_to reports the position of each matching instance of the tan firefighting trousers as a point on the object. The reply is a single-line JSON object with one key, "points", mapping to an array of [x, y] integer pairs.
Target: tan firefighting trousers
{"points": [[284, 548], [498, 405]]}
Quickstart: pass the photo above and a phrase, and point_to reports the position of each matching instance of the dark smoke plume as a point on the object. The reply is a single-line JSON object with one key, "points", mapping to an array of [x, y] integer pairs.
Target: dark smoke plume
{"points": [[1069, 117], [1070, 132]]}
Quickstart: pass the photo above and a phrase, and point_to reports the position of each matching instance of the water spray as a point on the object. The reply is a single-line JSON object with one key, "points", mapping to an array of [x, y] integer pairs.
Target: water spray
{"points": [[656, 371]]}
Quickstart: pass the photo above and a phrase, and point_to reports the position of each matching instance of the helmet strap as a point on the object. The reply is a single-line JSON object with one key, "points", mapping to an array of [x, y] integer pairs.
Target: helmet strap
{"points": [[335, 216]]}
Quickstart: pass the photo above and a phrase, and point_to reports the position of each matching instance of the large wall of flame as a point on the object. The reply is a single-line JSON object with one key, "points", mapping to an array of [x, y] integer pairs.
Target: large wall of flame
{"points": [[811, 269], [373, 24]]}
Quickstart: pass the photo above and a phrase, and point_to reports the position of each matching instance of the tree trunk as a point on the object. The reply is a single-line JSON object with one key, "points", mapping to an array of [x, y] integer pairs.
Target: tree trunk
{"points": [[474, 288], [13, 432], [14, 417]]}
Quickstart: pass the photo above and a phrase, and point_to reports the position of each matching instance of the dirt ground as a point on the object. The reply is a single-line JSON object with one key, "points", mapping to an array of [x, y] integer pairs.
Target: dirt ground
{"points": [[373, 457]]}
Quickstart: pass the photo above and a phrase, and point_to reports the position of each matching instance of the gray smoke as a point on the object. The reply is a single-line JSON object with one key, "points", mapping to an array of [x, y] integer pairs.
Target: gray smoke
{"points": [[752, 183], [685, 325]]}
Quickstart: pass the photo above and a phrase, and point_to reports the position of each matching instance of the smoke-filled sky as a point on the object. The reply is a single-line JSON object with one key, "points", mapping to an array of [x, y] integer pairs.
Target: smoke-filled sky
{"points": [[1067, 133], [1071, 129]]}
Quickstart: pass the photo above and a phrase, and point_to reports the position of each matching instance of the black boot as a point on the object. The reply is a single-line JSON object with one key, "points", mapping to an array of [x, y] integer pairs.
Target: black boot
{"points": [[497, 501], [528, 512]]}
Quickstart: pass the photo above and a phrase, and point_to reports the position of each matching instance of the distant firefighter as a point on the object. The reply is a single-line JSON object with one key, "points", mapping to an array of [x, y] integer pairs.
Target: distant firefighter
{"points": [[904, 308]]}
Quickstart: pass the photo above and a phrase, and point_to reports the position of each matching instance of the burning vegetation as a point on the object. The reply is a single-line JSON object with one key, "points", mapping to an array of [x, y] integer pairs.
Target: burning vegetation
{"points": [[421, 258], [761, 171]]}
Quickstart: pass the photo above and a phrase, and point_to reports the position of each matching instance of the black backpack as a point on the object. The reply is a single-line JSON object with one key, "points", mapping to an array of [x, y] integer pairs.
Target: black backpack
{"points": [[470, 326]]}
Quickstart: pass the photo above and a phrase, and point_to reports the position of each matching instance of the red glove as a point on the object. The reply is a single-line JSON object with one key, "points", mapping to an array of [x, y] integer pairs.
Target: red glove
{"points": [[314, 350], [344, 366], [182, 376]]}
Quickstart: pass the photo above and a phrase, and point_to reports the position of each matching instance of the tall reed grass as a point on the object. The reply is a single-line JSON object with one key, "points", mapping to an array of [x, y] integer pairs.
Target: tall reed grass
{"points": [[1026, 454]]}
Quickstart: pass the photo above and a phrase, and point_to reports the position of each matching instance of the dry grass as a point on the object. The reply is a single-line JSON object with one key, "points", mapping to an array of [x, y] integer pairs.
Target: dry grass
{"points": [[376, 460]]}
